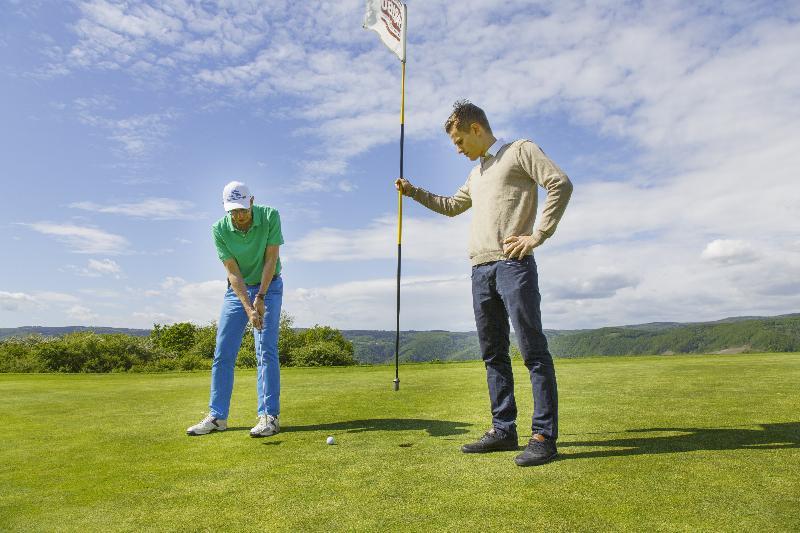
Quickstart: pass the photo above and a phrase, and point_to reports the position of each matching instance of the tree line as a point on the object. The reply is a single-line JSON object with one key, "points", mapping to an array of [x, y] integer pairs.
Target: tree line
{"points": [[179, 346], [185, 346], [764, 334]]}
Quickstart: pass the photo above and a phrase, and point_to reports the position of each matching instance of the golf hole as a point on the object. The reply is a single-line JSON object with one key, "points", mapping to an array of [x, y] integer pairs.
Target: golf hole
{"points": [[406, 445]]}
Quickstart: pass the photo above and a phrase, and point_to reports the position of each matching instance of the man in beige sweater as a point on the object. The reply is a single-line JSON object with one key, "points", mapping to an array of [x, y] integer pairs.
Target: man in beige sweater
{"points": [[502, 192]]}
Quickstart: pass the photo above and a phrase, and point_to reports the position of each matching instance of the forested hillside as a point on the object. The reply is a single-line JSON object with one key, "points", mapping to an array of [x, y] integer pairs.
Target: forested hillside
{"points": [[731, 335]]}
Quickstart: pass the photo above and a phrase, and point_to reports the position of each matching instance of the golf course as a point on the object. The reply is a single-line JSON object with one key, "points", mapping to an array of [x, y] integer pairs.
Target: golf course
{"points": [[650, 443]]}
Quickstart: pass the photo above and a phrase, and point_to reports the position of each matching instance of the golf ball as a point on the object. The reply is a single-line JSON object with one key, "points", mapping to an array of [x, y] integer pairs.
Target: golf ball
{"points": [[330, 440]]}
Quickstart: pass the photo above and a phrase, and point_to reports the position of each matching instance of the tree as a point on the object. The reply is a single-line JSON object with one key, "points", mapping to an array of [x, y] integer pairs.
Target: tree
{"points": [[323, 353], [288, 339], [323, 346], [177, 338]]}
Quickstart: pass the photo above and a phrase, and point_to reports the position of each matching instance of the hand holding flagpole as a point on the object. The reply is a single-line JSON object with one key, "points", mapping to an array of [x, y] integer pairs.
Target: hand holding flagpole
{"points": [[388, 19]]}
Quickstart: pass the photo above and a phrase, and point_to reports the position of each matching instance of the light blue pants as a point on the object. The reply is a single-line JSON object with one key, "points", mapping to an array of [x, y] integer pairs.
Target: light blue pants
{"points": [[232, 323]]}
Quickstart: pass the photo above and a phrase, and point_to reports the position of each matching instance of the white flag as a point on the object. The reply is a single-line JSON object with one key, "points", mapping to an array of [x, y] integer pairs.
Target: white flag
{"points": [[388, 19]]}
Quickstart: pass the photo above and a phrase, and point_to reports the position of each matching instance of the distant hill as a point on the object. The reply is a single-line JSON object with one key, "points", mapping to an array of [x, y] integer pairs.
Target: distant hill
{"points": [[24, 331], [729, 335]]}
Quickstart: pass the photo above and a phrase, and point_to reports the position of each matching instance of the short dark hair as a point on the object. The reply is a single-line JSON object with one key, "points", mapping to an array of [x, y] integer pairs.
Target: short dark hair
{"points": [[465, 113]]}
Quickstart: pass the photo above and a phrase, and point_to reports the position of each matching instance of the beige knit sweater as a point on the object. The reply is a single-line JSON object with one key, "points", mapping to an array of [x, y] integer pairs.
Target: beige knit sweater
{"points": [[503, 194]]}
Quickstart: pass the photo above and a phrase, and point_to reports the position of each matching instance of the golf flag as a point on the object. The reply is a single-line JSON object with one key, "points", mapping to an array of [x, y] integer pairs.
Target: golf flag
{"points": [[388, 19]]}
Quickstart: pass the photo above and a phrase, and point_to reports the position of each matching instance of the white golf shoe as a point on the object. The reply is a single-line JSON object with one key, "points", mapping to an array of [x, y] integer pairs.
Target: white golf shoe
{"points": [[267, 426], [207, 425]]}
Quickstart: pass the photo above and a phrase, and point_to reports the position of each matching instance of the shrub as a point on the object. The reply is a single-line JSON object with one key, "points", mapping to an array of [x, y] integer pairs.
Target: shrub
{"points": [[178, 338], [180, 346], [288, 340], [205, 340], [17, 355], [193, 362], [90, 352], [326, 334], [323, 353]]}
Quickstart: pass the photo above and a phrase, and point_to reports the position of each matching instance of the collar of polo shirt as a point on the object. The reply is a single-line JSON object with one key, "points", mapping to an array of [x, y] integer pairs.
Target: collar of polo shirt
{"points": [[255, 222], [492, 150]]}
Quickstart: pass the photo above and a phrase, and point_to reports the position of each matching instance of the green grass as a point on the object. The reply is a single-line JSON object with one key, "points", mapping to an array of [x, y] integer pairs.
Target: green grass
{"points": [[680, 443]]}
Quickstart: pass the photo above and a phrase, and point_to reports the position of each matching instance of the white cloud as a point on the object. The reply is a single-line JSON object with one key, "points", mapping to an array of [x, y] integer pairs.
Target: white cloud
{"points": [[729, 252], [102, 293], [594, 287], [178, 300], [200, 302], [50, 297], [105, 266], [138, 135], [659, 78], [371, 304], [150, 208], [96, 268], [113, 36], [83, 239], [425, 239], [150, 316], [13, 301], [81, 313], [30, 305], [171, 282]]}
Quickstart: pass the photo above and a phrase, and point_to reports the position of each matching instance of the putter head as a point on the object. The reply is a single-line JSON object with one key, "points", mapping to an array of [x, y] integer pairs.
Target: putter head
{"points": [[396, 384]]}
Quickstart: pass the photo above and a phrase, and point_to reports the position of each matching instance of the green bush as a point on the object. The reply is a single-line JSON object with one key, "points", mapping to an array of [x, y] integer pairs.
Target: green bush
{"points": [[323, 353], [325, 334], [193, 362], [178, 338], [205, 340], [18, 355], [90, 352], [288, 340], [180, 346], [321, 346]]}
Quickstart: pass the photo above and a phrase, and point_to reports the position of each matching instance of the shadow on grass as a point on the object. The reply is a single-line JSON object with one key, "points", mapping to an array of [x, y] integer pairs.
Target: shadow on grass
{"points": [[767, 437], [435, 428]]}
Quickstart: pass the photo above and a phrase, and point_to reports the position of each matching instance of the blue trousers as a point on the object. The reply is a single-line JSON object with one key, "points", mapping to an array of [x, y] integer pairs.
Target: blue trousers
{"points": [[232, 322], [510, 289]]}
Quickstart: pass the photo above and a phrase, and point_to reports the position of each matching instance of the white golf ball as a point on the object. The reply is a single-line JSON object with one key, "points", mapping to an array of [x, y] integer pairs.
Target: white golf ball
{"points": [[330, 440]]}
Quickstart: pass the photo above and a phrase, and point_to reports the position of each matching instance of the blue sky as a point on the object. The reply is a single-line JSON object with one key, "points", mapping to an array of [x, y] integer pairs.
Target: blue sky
{"points": [[678, 122]]}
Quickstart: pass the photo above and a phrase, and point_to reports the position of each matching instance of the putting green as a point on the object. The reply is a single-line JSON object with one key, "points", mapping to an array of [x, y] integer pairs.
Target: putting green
{"points": [[647, 443]]}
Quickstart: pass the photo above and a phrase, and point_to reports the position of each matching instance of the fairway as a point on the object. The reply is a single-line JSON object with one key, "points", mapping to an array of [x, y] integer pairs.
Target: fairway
{"points": [[671, 443]]}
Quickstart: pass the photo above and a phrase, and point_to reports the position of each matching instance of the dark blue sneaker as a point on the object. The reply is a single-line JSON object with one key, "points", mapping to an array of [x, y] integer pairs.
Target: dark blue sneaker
{"points": [[540, 450], [494, 440]]}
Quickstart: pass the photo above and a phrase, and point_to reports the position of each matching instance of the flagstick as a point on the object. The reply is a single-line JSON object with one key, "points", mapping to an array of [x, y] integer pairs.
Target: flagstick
{"points": [[400, 226]]}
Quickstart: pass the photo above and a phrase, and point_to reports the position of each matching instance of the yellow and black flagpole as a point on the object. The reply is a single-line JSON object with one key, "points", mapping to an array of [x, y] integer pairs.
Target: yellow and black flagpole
{"points": [[400, 221], [388, 19]]}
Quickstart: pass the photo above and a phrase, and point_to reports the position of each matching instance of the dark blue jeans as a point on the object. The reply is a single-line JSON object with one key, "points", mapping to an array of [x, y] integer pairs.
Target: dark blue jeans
{"points": [[510, 289]]}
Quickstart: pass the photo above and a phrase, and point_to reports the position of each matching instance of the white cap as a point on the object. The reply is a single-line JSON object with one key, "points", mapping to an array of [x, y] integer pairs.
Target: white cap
{"points": [[236, 195]]}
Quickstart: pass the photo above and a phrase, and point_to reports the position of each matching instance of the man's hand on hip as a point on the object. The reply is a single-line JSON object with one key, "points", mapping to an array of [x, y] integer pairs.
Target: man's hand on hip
{"points": [[518, 246]]}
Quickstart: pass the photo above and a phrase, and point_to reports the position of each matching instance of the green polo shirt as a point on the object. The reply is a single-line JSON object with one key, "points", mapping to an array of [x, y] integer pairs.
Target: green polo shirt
{"points": [[248, 247]]}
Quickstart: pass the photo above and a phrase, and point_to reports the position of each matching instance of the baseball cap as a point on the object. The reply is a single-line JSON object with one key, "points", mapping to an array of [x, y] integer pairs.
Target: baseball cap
{"points": [[236, 195]]}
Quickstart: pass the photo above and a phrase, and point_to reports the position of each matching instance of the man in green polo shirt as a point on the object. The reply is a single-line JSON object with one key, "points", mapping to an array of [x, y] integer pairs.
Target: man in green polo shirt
{"points": [[248, 239]]}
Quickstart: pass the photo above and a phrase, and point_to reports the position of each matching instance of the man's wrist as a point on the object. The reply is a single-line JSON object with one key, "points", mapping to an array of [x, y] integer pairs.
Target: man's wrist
{"points": [[260, 295]]}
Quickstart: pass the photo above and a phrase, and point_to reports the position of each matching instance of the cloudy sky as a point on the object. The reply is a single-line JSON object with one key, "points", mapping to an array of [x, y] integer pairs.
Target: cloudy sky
{"points": [[678, 123]]}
